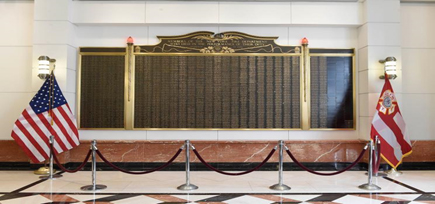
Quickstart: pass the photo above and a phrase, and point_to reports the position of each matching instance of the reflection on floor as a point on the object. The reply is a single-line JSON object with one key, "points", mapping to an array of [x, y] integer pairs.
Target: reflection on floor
{"points": [[412, 187]]}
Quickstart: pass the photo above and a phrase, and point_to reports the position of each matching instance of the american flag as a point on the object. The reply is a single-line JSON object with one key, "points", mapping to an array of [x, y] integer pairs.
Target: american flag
{"points": [[48, 114], [388, 123]]}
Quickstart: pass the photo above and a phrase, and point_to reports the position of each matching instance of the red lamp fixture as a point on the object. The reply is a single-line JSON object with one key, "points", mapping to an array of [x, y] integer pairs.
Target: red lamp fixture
{"points": [[130, 40], [304, 41]]}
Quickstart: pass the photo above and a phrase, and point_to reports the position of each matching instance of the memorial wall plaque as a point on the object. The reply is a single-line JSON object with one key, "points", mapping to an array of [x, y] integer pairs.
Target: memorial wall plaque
{"points": [[101, 93], [331, 86], [217, 81], [223, 81]]}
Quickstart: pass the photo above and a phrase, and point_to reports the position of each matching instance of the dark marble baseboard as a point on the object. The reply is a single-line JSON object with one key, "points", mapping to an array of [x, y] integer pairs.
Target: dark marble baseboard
{"points": [[229, 166]]}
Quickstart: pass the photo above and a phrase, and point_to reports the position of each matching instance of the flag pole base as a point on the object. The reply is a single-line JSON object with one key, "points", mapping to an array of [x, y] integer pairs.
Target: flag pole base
{"points": [[393, 172], [187, 187], [93, 188], [379, 174], [369, 187], [43, 171], [280, 187], [48, 177]]}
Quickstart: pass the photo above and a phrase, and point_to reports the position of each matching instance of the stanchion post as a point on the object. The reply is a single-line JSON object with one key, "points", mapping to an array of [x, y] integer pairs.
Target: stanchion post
{"points": [[187, 186], [51, 174], [370, 185], [376, 151], [377, 144], [280, 186], [94, 186]]}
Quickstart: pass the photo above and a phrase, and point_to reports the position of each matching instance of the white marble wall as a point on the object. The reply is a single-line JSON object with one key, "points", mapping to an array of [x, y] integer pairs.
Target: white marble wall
{"points": [[378, 37], [16, 23], [178, 12], [326, 24], [115, 35], [54, 36], [58, 27], [418, 54]]}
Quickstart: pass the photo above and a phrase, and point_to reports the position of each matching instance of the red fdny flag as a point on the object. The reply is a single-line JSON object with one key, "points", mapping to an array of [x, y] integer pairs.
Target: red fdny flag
{"points": [[48, 114], [390, 127]]}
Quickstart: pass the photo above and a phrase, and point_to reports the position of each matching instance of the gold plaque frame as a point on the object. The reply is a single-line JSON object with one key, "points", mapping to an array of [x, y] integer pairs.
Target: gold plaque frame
{"points": [[79, 80], [131, 51], [308, 115]]}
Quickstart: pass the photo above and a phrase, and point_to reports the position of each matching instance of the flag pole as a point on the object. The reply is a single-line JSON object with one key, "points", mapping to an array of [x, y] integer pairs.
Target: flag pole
{"points": [[51, 172], [51, 138], [388, 114], [45, 170], [393, 172], [43, 110]]}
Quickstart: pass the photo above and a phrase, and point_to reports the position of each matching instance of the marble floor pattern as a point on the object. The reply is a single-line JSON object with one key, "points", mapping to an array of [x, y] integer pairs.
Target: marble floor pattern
{"points": [[412, 187]]}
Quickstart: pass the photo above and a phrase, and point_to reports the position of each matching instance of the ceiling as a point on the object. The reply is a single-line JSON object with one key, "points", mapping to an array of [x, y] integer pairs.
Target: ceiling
{"points": [[403, 1]]}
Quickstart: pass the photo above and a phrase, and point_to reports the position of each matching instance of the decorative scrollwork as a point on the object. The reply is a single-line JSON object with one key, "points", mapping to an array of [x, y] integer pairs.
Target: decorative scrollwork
{"points": [[208, 49], [223, 43], [217, 49], [218, 37]]}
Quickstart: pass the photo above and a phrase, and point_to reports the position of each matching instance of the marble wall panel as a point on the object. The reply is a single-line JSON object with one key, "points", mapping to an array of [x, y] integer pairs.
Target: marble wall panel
{"points": [[110, 35], [419, 116], [17, 23], [221, 151], [52, 10], [326, 13], [422, 151], [16, 62], [181, 12], [418, 70], [11, 105], [126, 12], [384, 34], [324, 36], [417, 27], [54, 32], [254, 13], [11, 152], [382, 11]]}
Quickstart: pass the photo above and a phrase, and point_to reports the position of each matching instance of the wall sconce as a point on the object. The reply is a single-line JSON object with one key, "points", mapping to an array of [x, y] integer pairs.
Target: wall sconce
{"points": [[389, 67], [45, 63]]}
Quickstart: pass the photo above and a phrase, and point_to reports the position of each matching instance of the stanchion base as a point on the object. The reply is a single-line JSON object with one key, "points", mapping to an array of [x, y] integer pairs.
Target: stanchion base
{"points": [[369, 187], [280, 187], [393, 172], [48, 177], [379, 174], [92, 188], [187, 187]]}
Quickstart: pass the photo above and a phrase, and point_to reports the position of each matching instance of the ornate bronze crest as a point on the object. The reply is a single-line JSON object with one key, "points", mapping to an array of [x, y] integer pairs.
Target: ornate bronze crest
{"points": [[209, 42]]}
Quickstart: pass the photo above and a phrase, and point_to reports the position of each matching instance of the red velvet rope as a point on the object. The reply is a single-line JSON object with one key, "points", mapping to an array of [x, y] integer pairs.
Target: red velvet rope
{"points": [[233, 174], [325, 174], [75, 170], [142, 172]]}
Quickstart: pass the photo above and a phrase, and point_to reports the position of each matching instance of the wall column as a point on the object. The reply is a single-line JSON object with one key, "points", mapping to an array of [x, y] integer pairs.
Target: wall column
{"points": [[54, 36], [378, 37]]}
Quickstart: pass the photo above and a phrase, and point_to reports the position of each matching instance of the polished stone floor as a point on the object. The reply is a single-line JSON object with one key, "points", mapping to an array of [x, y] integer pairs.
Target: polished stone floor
{"points": [[411, 187]]}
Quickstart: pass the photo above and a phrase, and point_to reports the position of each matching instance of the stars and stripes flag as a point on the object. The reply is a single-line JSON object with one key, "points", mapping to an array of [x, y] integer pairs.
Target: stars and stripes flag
{"points": [[390, 127], [47, 114]]}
